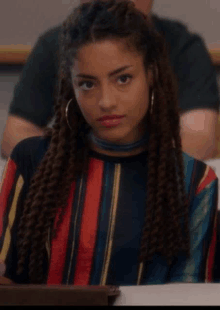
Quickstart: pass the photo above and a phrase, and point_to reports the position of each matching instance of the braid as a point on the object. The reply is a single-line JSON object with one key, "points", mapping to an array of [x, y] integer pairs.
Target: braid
{"points": [[161, 182], [48, 209], [185, 206], [151, 182], [37, 183], [162, 232]]}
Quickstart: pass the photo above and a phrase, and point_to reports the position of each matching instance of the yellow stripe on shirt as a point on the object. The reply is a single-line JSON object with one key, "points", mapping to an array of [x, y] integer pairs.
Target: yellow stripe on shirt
{"points": [[11, 218], [114, 205]]}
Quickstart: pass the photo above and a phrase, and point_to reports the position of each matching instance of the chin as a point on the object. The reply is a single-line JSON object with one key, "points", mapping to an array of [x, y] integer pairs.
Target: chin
{"points": [[117, 135]]}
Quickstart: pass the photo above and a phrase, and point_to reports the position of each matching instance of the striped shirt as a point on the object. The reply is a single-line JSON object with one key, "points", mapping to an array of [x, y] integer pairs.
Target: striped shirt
{"points": [[99, 239]]}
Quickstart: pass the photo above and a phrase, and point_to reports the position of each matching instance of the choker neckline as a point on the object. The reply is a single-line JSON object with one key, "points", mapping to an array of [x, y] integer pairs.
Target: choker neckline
{"points": [[113, 147]]}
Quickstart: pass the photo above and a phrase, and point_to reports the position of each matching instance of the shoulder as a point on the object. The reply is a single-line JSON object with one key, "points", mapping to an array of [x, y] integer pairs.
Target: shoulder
{"points": [[47, 42], [43, 55], [192, 65], [180, 41], [198, 174], [51, 35], [173, 28], [28, 153], [190, 161], [163, 23], [30, 147]]}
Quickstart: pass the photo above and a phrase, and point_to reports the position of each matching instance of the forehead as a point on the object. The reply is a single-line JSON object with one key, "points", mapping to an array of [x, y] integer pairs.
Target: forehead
{"points": [[143, 5], [105, 56]]}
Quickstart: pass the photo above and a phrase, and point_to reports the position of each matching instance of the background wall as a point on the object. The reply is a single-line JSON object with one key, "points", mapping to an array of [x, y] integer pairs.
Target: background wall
{"points": [[201, 16], [21, 21]]}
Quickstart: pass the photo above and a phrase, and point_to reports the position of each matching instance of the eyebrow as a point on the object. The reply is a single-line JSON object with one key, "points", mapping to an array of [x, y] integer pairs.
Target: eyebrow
{"points": [[81, 75]]}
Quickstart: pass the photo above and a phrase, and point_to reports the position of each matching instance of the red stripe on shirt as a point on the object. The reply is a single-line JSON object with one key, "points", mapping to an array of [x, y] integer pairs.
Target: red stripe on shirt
{"points": [[211, 254], [211, 176], [88, 231], [59, 245], [7, 184]]}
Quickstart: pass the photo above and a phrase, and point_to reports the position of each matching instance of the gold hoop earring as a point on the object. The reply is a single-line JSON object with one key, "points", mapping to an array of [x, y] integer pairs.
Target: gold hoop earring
{"points": [[152, 102], [67, 110]]}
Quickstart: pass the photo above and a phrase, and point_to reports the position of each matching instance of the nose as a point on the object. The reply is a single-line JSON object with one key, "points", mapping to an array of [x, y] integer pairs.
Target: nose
{"points": [[107, 100]]}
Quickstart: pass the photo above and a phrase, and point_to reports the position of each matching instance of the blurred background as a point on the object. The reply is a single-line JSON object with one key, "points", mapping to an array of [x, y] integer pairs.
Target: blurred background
{"points": [[22, 21]]}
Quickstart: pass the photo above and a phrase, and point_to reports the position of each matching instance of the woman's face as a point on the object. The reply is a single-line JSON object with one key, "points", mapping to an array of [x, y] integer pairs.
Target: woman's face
{"points": [[112, 90]]}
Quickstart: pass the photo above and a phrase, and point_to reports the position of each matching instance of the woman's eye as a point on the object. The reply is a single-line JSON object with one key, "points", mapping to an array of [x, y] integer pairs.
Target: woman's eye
{"points": [[86, 85], [125, 78]]}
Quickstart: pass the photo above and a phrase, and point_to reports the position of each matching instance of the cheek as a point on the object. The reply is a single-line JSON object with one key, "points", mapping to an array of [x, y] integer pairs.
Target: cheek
{"points": [[139, 102], [87, 109], [83, 109], [76, 93], [81, 103]]}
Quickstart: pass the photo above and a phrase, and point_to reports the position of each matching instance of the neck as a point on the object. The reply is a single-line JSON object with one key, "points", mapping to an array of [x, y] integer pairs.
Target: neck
{"points": [[118, 154], [118, 150]]}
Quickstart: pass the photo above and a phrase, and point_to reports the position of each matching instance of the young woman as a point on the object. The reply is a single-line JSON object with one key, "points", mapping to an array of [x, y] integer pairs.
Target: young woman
{"points": [[107, 196]]}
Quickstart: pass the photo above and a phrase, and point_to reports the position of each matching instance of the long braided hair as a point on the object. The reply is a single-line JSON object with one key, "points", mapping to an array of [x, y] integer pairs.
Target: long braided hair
{"points": [[166, 223]]}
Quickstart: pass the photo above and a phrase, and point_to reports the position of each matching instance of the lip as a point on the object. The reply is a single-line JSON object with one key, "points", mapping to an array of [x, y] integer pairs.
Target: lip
{"points": [[109, 121], [110, 117]]}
